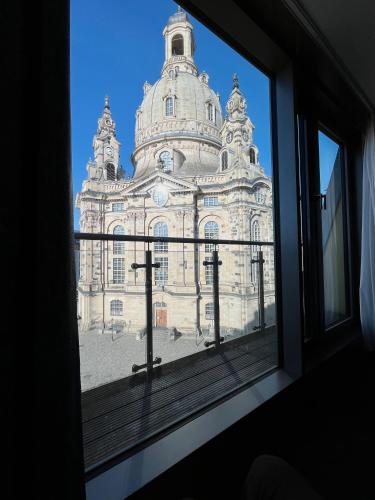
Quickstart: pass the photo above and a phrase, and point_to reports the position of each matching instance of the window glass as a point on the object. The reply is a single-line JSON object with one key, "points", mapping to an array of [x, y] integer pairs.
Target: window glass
{"points": [[117, 207], [161, 229], [209, 308], [161, 273], [195, 127], [166, 161], [332, 213], [119, 246], [211, 231], [169, 106], [117, 308], [118, 270], [210, 201]]}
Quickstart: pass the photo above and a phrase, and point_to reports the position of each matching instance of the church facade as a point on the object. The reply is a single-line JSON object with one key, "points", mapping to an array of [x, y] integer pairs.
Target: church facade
{"points": [[196, 175]]}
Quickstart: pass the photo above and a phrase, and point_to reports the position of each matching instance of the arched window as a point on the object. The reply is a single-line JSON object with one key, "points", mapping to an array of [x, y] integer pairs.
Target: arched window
{"points": [[224, 160], [169, 106], [177, 69], [117, 308], [166, 161], [138, 120], [111, 172], [260, 197], [252, 156], [161, 230], [209, 309], [178, 45], [210, 112], [255, 231], [171, 74], [211, 231], [119, 246]]}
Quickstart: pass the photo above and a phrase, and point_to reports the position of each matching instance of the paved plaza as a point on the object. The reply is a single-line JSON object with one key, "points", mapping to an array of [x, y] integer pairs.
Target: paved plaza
{"points": [[107, 357]]}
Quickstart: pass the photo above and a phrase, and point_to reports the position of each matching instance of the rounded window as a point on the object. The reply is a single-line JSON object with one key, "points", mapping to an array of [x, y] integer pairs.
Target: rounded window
{"points": [[166, 161]]}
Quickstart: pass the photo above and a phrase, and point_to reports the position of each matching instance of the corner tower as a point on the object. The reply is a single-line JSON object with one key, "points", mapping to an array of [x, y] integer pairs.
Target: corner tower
{"points": [[106, 164]]}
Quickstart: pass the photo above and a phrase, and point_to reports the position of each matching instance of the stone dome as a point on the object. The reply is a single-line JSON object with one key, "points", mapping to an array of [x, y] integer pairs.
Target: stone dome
{"points": [[192, 129]]}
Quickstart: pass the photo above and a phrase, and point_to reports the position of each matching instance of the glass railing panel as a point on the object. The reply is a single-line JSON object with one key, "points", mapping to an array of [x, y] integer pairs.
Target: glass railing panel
{"points": [[111, 310], [176, 302], [112, 298]]}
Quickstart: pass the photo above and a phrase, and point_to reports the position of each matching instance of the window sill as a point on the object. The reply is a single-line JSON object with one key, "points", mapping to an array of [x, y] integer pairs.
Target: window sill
{"points": [[119, 481]]}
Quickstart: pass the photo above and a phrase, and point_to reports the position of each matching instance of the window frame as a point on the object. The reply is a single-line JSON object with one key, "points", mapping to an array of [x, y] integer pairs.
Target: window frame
{"points": [[225, 155], [118, 270], [113, 307], [167, 109], [287, 249], [207, 203], [118, 203]]}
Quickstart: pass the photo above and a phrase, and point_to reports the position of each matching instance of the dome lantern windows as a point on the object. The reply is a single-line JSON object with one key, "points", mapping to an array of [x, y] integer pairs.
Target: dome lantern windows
{"points": [[178, 45]]}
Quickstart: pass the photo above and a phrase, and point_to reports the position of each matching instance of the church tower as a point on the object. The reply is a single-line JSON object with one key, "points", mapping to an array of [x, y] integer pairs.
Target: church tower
{"points": [[106, 164], [237, 133]]}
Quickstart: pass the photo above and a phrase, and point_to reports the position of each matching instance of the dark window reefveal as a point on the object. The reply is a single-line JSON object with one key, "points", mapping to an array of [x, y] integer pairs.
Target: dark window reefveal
{"points": [[111, 172], [177, 45], [224, 161]]}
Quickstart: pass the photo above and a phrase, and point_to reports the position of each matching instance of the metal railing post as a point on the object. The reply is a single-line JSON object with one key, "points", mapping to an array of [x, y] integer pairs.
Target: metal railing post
{"points": [[150, 362], [215, 267], [260, 261]]}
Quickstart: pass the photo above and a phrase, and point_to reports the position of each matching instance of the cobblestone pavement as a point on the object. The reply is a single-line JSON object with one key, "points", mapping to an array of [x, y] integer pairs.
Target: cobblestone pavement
{"points": [[105, 358]]}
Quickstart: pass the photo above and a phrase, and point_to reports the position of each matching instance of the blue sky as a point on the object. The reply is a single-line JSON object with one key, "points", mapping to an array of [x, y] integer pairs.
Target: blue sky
{"points": [[118, 44], [327, 156]]}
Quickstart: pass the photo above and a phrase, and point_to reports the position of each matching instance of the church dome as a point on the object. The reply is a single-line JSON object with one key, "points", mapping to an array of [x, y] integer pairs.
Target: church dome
{"points": [[190, 99], [180, 106], [180, 115]]}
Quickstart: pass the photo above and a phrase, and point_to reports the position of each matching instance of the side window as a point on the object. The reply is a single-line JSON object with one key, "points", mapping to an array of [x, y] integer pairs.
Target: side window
{"points": [[334, 251], [224, 160], [169, 108], [252, 156]]}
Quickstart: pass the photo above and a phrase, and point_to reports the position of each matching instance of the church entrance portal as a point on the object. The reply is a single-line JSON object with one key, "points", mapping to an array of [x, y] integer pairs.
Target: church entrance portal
{"points": [[160, 314]]}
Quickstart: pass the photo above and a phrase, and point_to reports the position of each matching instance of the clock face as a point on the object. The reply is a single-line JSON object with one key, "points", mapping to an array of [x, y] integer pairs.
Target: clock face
{"points": [[109, 151], [160, 196], [108, 122], [229, 137]]}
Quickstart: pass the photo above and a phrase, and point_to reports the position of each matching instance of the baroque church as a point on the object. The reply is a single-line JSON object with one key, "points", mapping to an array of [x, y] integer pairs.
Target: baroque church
{"points": [[197, 174]]}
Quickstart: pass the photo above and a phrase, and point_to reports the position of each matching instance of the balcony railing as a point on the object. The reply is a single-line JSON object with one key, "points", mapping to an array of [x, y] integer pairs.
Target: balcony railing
{"points": [[174, 296]]}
